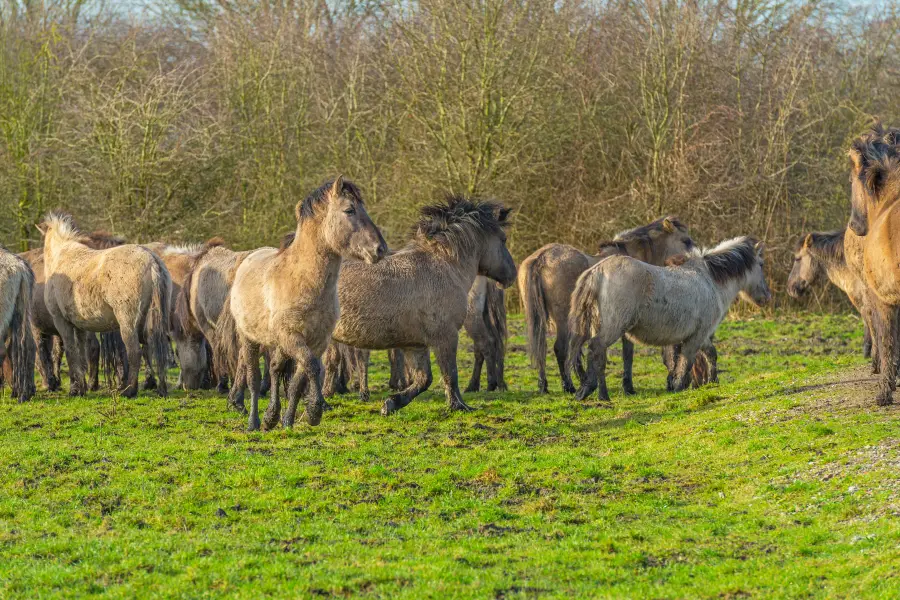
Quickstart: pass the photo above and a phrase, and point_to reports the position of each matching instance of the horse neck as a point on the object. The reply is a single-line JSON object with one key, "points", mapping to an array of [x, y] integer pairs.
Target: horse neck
{"points": [[53, 247], [728, 291], [313, 266]]}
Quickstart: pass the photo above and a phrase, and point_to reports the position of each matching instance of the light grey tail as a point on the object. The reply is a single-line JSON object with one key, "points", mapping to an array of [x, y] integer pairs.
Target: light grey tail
{"points": [[156, 324], [584, 313], [537, 315]]}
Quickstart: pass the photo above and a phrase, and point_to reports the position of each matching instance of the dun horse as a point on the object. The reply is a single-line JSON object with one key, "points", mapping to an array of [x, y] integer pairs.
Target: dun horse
{"points": [[47, 338], [547, 278], [822, 254], [661, 306], [125, 288], [875, 219], [417, 298], [16, 340], [286, 300]]}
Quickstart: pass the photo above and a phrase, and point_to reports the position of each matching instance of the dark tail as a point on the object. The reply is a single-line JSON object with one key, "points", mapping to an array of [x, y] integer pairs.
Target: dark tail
{"points": [[495, 320], [21, 344], [156, 323], [584, 313], [113, 359], [534, 305]]}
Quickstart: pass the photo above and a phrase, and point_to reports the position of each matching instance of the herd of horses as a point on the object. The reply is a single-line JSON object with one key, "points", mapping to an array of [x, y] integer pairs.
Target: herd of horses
{"points": [[315, 307]]}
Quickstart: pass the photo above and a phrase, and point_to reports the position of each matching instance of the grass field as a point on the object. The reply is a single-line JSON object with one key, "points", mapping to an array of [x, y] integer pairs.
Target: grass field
{"points": [[782, 481]]}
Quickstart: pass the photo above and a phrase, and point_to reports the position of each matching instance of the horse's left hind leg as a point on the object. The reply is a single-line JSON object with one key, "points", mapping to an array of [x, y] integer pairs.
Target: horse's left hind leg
{"points": [[627, 362], [595, 375], [446, 359], [475, 380]]}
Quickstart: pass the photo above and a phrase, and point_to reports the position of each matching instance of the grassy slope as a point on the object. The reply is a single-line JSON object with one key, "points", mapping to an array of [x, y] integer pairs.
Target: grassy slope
{"points": [[756, 487]]}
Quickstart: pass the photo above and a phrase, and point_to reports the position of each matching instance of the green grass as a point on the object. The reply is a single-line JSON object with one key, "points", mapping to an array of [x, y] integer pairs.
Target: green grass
{"points": [[772, 484]]}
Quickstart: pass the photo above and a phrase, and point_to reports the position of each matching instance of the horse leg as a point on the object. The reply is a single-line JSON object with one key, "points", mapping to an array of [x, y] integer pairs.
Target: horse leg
{"points": [[445, 353], [132, 343], [238, 384], [147, 359], [92, 351], [277, 363], [867, 341], [595, 374], [363, 375], [475, 380], [57, 357], [887, 349], [498, 361], [267, 373], [45, 361], [670, 359], [712, 358], [250, 352], [627, 362], [308, 367], [684, 363], [77, 386], [419, 363], [398, 381], [560, 349]]}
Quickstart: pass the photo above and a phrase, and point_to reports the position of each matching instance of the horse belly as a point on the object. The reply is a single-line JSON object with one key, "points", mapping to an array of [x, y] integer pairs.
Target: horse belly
{"points": [[90, 313]]}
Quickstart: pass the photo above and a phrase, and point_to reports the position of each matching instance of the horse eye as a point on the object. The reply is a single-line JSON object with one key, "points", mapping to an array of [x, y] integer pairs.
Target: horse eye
{"points": [[350, 211]]}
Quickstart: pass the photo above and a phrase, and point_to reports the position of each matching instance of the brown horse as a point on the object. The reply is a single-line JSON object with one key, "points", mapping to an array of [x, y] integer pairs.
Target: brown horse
{"points": [[48, 340], [16, 340], [875, 218], [286, 300], [125, 288], [822, 254], [417, 298], [547, 278]]}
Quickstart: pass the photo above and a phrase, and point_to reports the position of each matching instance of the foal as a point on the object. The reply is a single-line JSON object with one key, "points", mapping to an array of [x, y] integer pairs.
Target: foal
{"points": [[286, 300], [661, 306]]}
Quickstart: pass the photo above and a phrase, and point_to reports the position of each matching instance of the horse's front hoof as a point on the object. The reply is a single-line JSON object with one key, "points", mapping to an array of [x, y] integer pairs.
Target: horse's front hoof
{"points": [[629, 390], [253, 423], [313, 415], [459, 405], [569, 388], [884, 399], [270, 422], [238, 407]]}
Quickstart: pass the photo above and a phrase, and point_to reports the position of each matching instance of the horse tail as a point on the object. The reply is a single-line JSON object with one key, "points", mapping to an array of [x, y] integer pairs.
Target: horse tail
{"points": [[113, 358], [534, 305], [21, 346], [156, 324], [495, 317], [584, 312], [225, 345]]}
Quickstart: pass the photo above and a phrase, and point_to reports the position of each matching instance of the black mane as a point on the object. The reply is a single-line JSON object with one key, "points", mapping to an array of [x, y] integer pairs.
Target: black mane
{"points": [[642, 234], [825, 245], [732, 261], [320, 195]]}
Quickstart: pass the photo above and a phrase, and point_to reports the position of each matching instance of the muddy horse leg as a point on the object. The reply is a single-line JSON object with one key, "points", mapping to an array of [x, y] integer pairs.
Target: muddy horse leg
{"points": [[475, 380], [419, 363], [627, 363]]}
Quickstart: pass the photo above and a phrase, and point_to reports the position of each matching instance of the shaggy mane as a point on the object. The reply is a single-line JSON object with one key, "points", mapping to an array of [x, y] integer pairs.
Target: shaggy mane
{"points": [[731, 259], [878, 153], [183, 249], [460, 223], [826, 245], [64, 226], [642, 234], [101, 240], [318, 197]]}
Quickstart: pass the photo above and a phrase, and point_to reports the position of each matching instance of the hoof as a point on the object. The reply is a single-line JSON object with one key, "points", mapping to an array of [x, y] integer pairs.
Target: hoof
{"points": [[130, 392], [568, 388], [253, 423], [364, 396], [326, 407], [270, 422], [239, 407], [313, 415], [884, 399], [472, 388], [149, 384], [629, 390], [542, 387], [459, 405]]}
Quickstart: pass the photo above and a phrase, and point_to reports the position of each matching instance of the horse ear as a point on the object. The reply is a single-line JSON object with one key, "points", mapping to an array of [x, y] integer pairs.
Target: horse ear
{"points": [[42, 227], [668, 226], [503, 215], [807, 241], [760, 246], [338, 186]]}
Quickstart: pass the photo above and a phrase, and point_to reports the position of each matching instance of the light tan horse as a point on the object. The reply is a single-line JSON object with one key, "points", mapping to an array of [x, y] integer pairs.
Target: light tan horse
{"points": [[126, 288], [875, 218], [417, 298], [286, 300], [547, 278], [16, 340], [47, 339], [661, 306], [823, 254]]}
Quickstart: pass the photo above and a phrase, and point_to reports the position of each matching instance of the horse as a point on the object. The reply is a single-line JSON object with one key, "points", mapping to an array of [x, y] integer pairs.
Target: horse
{"points": [[16, 340], [190, 345], [875, 218], [417, 298], [47, 338], [822, 253], [125, 288], [547, 278], [661, 306], [486, 325], [286, 299]]}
